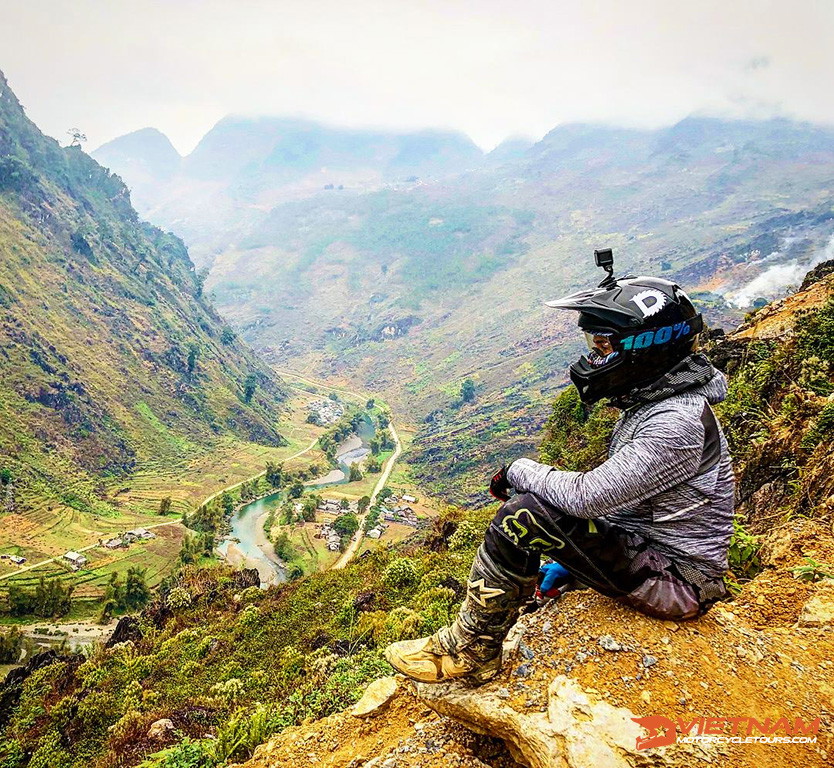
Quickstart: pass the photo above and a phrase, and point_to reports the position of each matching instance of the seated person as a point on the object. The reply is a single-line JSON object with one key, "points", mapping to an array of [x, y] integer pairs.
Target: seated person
{"points": [[650, 526]]}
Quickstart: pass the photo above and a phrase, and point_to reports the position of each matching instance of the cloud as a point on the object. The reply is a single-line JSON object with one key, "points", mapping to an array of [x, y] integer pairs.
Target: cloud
{"points": [[486, 67], [757, 62], [776, 280]]}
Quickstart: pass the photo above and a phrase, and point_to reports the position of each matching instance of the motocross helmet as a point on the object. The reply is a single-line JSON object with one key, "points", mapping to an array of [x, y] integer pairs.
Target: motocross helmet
{"points": [[636, 329]]}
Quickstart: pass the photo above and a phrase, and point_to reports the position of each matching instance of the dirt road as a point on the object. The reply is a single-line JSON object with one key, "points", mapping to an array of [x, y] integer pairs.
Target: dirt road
{"points": [[348, 554]]}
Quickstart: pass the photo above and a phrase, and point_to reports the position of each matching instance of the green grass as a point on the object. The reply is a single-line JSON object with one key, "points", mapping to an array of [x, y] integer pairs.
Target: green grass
{"points": [[178, 443]]}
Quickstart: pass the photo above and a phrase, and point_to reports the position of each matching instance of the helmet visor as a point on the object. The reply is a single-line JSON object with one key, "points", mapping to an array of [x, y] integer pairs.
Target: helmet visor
{"points": [[603, 347]]}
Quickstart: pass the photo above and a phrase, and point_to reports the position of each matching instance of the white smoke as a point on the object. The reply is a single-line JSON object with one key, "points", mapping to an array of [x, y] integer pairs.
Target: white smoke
{"points": [[776, 279]]}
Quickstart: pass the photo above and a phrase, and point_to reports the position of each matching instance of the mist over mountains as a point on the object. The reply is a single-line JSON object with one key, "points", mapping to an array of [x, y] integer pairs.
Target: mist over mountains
{"points": [[410, 262], [244, 162]]}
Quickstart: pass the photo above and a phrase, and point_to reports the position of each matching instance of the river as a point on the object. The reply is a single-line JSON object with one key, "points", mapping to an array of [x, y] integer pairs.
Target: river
{"points": [[247, 545]]}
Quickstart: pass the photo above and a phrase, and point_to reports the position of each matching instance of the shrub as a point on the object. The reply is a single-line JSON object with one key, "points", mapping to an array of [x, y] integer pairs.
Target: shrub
{"points": [[186, 754], [250, 616], [400, 573], [205, 646], [822, 428], [292, 662], [815, 333], [230, 690], [743, 554], [436, 608], [815, 374], [465, 537], [574, 440], [179, 598], [811, 570], [10, 644]]}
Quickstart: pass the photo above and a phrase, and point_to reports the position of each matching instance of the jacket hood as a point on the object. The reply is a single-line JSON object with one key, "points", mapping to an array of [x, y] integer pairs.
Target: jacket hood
{"points": [[695, 373], [715, 390]]}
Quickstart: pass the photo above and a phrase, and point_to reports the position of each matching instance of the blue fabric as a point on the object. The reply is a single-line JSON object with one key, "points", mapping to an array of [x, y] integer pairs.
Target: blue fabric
{"points": [[552, 574]]}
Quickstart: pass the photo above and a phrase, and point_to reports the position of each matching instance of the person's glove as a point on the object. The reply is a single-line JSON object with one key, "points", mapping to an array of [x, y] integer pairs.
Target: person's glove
{"points": [[551, 577], [500, 486]]}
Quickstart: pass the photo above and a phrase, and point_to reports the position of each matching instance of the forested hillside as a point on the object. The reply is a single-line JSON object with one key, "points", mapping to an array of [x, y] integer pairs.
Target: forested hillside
{"points": [[112, 360]]}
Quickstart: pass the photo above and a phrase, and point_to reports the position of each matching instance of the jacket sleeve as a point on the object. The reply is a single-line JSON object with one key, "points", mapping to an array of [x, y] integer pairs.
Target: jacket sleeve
{"points": [[666, 450]]}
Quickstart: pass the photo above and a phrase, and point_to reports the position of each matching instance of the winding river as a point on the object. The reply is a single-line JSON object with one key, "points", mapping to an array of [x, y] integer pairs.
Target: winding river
{"points": [[247, 545]]}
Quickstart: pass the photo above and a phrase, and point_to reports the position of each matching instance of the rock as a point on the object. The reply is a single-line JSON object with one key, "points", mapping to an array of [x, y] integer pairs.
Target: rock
{"points": [[818, 610], [127, 629], [722, 615], [513, 639], [609, 643], [649, 661], [576, 731], [160, 729], [526, 651], [525, 670], [377, 696]]}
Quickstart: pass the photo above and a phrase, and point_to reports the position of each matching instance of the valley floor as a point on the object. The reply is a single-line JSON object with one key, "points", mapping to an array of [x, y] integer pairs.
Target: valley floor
{"points": [[43, 533]]}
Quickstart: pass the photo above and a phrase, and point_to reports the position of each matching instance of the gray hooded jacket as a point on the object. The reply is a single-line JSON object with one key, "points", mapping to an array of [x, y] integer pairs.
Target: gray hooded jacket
{"points": [[668, 477]]}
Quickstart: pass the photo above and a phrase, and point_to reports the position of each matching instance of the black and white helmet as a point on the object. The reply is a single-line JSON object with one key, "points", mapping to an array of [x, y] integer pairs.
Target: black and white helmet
{"points": [[637, 329]]}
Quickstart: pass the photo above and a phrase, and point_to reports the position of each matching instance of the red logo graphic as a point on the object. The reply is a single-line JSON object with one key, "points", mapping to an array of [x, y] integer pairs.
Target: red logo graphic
{"points": [[661, 730]]}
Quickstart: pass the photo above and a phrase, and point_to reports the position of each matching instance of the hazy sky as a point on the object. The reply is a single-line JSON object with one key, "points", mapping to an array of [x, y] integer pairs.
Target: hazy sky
{"points": [[491, 68]]}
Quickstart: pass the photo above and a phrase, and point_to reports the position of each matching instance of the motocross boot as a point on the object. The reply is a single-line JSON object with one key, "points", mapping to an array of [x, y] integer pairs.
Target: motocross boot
{"points": [[471, 647]]}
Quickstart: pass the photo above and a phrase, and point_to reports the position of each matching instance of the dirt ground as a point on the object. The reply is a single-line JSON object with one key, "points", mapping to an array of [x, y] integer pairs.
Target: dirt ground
{"points": [[407, 733]]}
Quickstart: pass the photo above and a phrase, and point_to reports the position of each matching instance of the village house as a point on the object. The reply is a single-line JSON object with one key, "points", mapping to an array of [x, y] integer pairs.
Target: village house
{"points": [[115, 543], [136, 534], [408, 499], [75, 560], [328, 411], [402, 514], [333, 539], [16, 559], [333, 507]]}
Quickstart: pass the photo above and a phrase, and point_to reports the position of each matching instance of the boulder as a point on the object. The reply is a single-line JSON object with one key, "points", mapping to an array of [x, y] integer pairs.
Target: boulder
{"points": [[577, 730], [160, 729], [376, 698], [818, 611]]}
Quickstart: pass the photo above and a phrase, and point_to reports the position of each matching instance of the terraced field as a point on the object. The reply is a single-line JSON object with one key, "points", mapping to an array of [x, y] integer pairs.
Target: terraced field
{"points": [[42, 531], [154, 555]]}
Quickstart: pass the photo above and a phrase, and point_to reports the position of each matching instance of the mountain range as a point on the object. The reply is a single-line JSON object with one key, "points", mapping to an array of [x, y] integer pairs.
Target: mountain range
{"points": [[408, 278]]}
